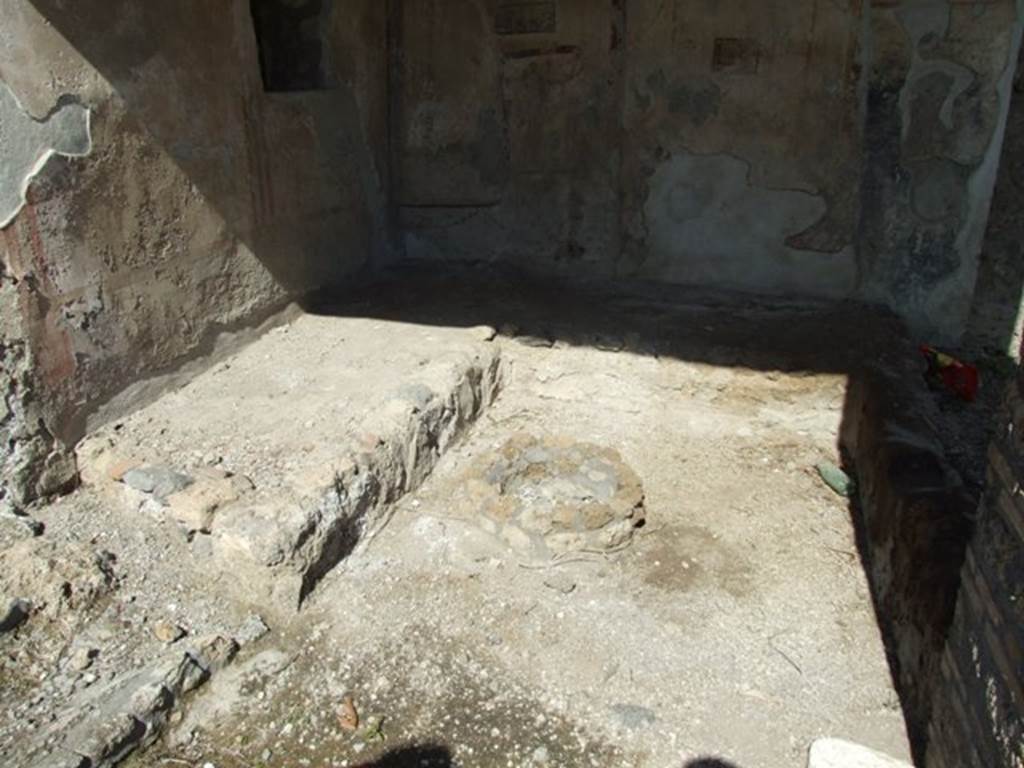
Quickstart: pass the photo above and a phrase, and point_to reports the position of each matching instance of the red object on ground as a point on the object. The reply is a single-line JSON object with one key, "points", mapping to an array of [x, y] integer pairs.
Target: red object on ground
{"points": [[958, 377]]}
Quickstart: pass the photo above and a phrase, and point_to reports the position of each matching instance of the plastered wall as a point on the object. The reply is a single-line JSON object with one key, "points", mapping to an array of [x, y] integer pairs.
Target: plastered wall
{"points": [[508, 132], [820, 148], [938, 94], [742, 144], [996, 317], [152, 196]]}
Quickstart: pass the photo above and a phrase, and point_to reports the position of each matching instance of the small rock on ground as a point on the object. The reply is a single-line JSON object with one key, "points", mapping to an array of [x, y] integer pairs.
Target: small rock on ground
{"points": [[484, 332], [167, 632], [252, 629], [20, 525], [560, 582], [159, 481], [16, 614], [632, 716], [82, 659]]}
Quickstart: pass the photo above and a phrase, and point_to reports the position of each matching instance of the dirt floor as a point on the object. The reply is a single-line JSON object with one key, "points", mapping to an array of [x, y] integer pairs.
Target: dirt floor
{"points": [[726, 617], [738, 624]]}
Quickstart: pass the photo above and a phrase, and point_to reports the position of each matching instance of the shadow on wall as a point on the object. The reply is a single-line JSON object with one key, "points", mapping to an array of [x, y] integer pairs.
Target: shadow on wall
{"points": [[995, 320], [207, 202], [249, 156], [288, 173]]}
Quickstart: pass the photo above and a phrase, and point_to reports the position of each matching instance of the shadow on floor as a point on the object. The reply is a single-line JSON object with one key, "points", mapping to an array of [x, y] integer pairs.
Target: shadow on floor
{"points": [[924, 542], [432, 756], [427, 756], [718, 328]]}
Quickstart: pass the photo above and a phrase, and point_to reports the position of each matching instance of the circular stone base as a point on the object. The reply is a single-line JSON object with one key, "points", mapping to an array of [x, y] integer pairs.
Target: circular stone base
{"points": [[551, 496]]}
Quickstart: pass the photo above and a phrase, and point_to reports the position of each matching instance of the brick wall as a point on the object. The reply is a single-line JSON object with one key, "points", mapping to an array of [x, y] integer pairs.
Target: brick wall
{"points": [[978, 712], [914, 523]]}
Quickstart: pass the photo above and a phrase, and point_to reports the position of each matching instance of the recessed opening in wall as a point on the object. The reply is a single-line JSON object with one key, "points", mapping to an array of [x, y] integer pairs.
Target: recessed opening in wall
{"points": [[292, 47], [514, 17]]}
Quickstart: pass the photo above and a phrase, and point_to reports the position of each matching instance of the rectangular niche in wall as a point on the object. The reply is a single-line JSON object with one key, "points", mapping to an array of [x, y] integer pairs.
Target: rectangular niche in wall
{"points": [[514, 17], [736, 55], [292, 46]]}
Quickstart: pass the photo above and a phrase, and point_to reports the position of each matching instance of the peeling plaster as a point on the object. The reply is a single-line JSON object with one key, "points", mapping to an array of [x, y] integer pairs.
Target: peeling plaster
{"points": [[26, 144], [704, 219], [981, 184], [935, 123]]}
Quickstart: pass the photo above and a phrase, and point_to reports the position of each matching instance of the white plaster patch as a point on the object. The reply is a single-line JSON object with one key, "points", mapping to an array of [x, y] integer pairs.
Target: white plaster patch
{"points": [[26, 144], [707, 224]]}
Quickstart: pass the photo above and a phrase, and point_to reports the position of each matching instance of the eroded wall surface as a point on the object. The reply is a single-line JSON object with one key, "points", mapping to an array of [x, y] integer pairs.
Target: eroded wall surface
{"points": [[996, 316], [32, 461], [674, 141], [938, 94], [152, 195], [820, 148], [155, 194], [508, 123], [742, 144], [914, 515]]}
